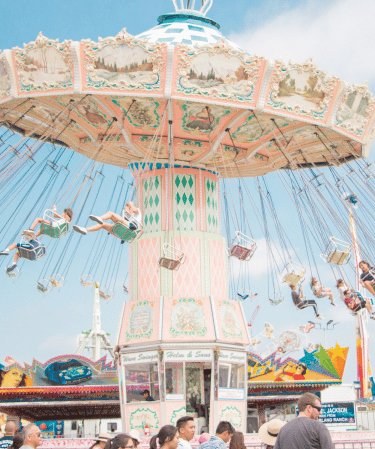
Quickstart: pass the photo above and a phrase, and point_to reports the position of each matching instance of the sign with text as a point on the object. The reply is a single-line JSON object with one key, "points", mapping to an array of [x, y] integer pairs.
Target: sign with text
{"points": [[187, 355], [233, 356], [231, 393], [338, 413], [140, 357]]}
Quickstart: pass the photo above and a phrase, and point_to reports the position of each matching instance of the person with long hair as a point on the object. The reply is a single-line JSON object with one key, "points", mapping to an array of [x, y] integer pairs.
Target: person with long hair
{"points": [[167, 438], [120, 441], [237, 441], [320, 291]]}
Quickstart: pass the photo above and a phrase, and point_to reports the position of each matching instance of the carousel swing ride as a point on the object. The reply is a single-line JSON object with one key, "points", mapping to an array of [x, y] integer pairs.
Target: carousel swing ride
{"points": [[193, 118]]}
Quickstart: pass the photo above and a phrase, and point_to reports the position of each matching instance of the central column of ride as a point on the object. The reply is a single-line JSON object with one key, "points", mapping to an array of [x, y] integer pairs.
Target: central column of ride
{"points": [[181, 340], [181, 214]]}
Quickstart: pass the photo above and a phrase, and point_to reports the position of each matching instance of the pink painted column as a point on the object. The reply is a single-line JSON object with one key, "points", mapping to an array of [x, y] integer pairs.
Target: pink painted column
{"points": [[180, 207]]}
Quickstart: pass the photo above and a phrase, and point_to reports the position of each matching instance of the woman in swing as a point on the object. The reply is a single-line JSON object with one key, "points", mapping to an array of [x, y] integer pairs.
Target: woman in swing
{"points": [[321, 292], [132, 218], [65, 217]]}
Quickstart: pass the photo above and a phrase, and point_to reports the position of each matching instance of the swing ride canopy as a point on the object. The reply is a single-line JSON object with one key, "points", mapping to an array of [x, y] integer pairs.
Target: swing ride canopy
{"points": [[182, 92]]}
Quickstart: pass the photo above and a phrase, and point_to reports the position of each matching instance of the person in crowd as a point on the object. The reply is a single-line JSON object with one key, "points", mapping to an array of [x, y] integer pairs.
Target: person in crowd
{"points": [[204, 437], [101, 441], [146, 396], [224, 433], [305, 431], [367, 277], [186, 429], [135, 437], [268, 432], [11, 428], [132, 218], [120, 441], [31, 436], [301, 303], [320, 291], [17, 441], [65, 217], [167, 438], [237, 441], [342, 287]]}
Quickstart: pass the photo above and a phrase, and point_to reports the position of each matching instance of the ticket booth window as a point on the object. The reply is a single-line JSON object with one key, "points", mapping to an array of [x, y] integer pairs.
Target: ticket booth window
{"points": [[174, 380], [231, 375], [139, 378]]}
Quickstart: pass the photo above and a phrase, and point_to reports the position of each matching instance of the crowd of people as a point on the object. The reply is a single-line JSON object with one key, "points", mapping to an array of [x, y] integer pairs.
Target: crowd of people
{"points": [[305, 431]]}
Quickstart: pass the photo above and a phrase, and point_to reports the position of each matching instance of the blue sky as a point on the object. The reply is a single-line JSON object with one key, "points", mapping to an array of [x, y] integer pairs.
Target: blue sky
{"points": [[337, 34]]}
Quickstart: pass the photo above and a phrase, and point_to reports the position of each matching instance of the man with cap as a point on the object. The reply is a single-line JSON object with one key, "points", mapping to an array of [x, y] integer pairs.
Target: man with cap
{"points": [[305, 431], [269, 431]]}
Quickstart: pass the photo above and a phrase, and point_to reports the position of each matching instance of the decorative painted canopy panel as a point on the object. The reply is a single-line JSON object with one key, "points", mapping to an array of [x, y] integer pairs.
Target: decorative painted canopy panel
{"points": [[126, 99]]}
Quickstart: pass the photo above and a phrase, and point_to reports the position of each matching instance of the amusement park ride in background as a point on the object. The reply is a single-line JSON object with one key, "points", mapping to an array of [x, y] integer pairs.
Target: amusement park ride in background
{"points": [[185, 98]]}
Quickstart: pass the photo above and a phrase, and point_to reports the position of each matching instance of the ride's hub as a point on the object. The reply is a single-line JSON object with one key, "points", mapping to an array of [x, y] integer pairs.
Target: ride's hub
{"points": [[181, 224]]}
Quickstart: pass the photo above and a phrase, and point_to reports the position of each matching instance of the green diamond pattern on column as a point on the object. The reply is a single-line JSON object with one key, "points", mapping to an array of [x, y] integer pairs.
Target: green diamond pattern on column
{"points": [[152, 193], [184, 203], [212, 219]]}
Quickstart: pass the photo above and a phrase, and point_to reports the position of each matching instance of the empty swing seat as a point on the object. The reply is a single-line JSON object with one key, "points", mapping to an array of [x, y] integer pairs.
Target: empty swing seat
{"points": [[242, 247], [43, 286], [86, 281], [57, 280], [106, 293], [172, 258], [123, 232], [337, 252], [14, 274], [292, 273], [276, 300]]}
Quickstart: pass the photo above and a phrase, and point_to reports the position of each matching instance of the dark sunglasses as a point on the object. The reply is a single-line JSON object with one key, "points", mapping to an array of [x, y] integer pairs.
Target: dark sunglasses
{"points": [[317, 407]]}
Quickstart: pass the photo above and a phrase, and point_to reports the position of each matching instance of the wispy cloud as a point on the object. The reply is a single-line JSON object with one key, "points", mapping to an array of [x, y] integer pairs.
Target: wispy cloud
{"points": [[339, 37]]}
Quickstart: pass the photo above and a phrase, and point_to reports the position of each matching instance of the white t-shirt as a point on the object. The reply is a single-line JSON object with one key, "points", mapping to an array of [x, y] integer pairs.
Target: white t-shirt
{"points": [[59, 222], [183, 444]]}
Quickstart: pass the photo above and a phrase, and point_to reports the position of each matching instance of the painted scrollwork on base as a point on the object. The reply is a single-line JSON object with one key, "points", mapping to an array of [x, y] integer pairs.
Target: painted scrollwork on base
{"points": [[233, 415], [356, 109], [44, 65], [4, 80], [302, 89], [123, 62], [218, 71]]}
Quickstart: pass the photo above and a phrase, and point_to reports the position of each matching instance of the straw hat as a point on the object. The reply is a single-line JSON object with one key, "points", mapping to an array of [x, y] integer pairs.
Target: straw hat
{"points": [[135, 435], [104, 437], [269, 431]]}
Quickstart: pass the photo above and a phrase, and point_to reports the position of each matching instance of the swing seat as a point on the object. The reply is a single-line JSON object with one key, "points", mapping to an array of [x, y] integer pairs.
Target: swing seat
{"points": [[337, 252], [123, 232], [57, 280], [292, 273], [172, 258], [276, 300], [106, 293], [44, 286], [56, 230], [15, 274], [242, 247], [30, 252], [86, 281], [125, 289]]}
